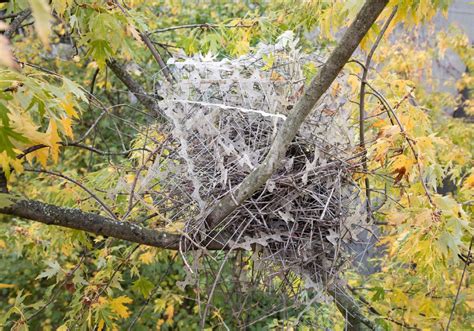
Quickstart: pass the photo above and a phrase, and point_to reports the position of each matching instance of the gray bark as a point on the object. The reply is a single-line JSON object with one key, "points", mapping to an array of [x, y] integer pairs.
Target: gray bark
{"points": [[148, 101], [94, 223]]}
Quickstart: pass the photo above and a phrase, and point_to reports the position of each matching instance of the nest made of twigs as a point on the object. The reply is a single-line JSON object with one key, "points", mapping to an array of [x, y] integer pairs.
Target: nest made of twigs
{"points": [[222, 118]]}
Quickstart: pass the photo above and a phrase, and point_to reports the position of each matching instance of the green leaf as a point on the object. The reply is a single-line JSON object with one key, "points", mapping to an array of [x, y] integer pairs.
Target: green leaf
{"points": [[53, 269], [379, 294], [100, 50], [144, 286]]}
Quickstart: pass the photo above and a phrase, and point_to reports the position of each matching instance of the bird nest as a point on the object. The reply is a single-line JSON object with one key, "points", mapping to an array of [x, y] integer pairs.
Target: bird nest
{"points": [[222, 116]]}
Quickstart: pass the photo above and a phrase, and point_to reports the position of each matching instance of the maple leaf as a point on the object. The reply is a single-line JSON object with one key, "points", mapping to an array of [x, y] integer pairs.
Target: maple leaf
{"points": [[400, 173], [68, 106], [67, 126], [401, 166], [469, 182], [118, 306], [147, 257], [53, 140], [53, 269]]}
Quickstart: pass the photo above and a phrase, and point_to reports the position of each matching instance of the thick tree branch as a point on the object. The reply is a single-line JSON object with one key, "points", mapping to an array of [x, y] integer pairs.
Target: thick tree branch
{"points": [[16, 23], [318, 86], [94, 223], [350, 309], [145, 99]]}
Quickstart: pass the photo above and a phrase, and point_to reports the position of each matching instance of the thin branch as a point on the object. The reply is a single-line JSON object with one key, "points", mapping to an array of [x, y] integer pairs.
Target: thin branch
{"points": [[362, 115], [157, 56], [201, 26], [151, 47], [466, 263], [5, 17], [408, 140], [92, 195]]}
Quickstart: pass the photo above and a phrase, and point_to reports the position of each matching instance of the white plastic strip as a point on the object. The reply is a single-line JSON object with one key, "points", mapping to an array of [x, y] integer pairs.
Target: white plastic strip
{"points": [[221, 106]]}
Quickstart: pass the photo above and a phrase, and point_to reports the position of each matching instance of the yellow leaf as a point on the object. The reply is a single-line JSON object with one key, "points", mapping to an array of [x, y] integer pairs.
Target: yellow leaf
{"points": [[67, 126], [169, 312], [117, 305], [133, 31], [396, 218], [3, 244], [380, 150], [60, 6], [42, 156], [62, 328], [68, 106], [469, 182], [402, 165], [389, 131], [23, 124], [7, 162], [53, 140], [100, 325], [147, 258], [159, 324], [42, 15], [7, 285]]}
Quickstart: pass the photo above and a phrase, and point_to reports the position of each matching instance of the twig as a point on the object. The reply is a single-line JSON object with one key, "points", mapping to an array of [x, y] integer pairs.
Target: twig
{"points": [[5, 17], [466, 263], [96, 198], [201, 26], [408, 140], [151, 47], [362, 114]]}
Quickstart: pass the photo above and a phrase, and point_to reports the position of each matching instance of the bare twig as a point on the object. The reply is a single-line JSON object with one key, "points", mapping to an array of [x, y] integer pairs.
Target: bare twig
{"points": [[408, 140], [95, 197], [362, 114], [466, 263], [201, 26]]}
